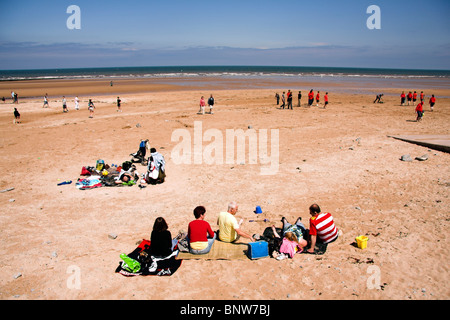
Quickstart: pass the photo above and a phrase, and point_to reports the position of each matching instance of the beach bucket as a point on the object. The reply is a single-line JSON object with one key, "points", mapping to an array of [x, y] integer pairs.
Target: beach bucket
{"points": [[361, 241], [258, 210]]}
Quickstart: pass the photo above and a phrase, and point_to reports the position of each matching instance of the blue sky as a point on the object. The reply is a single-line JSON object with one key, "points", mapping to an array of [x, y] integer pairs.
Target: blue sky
{"points": [[414, 34]]}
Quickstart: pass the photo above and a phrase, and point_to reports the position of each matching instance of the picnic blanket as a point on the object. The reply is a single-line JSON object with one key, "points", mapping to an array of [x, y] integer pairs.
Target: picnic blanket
{"points": [[220, 251], [149, 265]]}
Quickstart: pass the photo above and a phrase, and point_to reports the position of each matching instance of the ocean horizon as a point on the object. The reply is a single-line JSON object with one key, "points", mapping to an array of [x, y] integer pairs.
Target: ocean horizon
{"points": [[220, 71]]}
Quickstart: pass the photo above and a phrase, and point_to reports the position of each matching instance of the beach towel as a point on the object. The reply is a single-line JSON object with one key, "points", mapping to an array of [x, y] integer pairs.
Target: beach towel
{"points": [[89, 183], [148, 265], [220, 251]]}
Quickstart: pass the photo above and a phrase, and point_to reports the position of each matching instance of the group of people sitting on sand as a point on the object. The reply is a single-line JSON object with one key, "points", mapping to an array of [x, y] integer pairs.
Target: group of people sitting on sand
{"points": [[126, 173], [286, 241]]}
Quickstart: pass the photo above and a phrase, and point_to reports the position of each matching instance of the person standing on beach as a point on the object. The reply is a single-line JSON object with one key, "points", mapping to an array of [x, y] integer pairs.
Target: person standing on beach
{"points": [[432, 102], [16, 116], [119, 109], [402, 98], [317, 98], [64, 102], [409, 97], [299, 99], [310, 98], [45, 101], [289, 99], [211, 104], [419, 111], [422, 96], [322, 230], [326, 100], [277, 96], [202, 105], [283, 101], [77, 103], [414, 98], [91, 108]]}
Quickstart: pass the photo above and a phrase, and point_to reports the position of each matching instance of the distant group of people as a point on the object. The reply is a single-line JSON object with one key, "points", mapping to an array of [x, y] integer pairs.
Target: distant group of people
{"points": [[200, 237], [411, 97], [211, 102], [91, 105], [286, 99]]}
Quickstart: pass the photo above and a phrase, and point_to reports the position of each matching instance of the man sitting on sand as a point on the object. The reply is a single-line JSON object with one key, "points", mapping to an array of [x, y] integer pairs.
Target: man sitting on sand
{"points": [[322, 230], [229, 229]]}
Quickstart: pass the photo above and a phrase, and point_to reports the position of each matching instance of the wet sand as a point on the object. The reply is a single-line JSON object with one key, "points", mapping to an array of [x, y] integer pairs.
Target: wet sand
{"points": [[340, 157]]}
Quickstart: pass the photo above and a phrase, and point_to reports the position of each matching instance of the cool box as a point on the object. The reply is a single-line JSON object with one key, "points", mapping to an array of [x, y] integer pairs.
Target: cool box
{"points": [[258, 249]]}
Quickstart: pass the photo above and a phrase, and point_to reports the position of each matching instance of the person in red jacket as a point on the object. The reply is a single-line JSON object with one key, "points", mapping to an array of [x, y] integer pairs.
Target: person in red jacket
{"points": [[198, 232], [414, 98], [310, 98], [317, 98], [403, 98], [419, 111], [326, 100], [409, 97], [422, 96], [432, 102]]}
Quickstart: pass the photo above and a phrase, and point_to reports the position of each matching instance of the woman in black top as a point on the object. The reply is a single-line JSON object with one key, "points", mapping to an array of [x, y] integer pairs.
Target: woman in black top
{"points": [[161, 239]]}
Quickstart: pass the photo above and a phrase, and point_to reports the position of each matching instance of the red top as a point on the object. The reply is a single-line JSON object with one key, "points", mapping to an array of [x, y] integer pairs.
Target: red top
{"points": [[420, 107], [311, 95], [415, 96], [198, 230], [421, 96], [326, 97], [317, 96], [432, 100], [323, 226]]}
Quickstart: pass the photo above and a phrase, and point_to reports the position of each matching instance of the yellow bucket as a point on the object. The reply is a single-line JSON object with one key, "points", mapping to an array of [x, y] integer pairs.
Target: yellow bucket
{"points": [[361, 241]]}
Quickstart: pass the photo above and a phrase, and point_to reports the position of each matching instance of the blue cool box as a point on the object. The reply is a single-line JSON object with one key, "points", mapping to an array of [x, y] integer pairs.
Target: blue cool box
{"points": [[258, 249]]}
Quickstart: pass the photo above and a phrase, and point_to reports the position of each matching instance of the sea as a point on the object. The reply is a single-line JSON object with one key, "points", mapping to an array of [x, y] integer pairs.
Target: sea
{"points": [[363, 77]]}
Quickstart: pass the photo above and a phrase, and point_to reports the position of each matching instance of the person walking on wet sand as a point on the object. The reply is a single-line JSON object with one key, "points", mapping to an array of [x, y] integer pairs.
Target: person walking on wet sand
{"points": [[64, 102], [277, 96], [402, 98], [77, 103], [91, 108], [45, 101], [432, 102], [289, 100], [211, 104], [16, 116], [283, 101], [299, 99], [326, 100], [310, 98], [119, 108], [317, 98], [202, 105]]}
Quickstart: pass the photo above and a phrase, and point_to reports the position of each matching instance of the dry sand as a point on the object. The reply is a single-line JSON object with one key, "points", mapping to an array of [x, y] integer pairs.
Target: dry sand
{"points": [[339, 157]]}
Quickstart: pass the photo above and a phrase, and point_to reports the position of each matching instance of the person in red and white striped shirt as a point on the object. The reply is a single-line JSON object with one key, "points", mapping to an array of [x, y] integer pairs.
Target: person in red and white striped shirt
{"points": [[322, 229]]}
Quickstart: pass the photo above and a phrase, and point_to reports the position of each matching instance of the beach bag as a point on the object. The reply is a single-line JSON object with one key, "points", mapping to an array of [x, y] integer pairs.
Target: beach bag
{"points": [[127, 165], [85, 172]]}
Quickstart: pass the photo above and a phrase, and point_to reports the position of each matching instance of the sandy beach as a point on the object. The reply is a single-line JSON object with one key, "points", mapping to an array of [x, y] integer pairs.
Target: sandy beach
{"points": [[340, 157]]}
